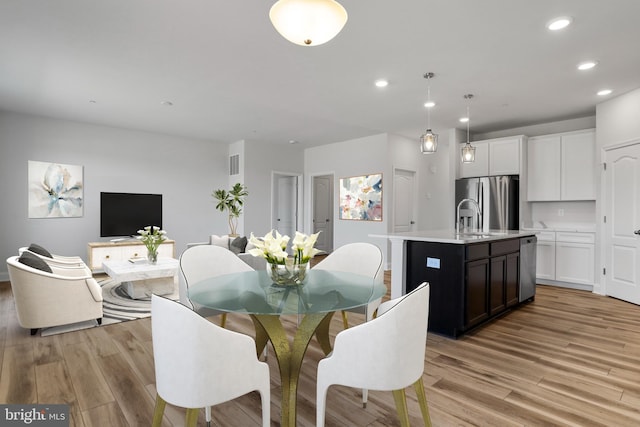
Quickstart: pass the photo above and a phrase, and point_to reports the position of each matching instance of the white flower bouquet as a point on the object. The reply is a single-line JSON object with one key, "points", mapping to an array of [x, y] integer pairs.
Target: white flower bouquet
{"points": [[285, 269]]}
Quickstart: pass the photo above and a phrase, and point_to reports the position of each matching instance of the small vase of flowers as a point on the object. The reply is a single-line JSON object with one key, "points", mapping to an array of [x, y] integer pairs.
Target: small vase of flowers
{"points": [[152, 237], [285, 270]]}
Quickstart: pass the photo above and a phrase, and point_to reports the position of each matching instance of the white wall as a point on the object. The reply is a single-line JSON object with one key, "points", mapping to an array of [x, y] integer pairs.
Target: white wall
{"points": [[433, 202], [185, 171], [541, 129], [363, 156], [383, 153], [617, 121], [260, 161]]}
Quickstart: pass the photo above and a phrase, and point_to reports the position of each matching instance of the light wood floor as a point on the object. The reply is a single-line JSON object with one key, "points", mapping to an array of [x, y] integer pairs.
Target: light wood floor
{"points": [[568, 358]]}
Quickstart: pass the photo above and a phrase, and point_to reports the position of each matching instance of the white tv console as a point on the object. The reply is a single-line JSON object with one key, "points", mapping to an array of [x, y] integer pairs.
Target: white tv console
{"points": [[123, 251]]}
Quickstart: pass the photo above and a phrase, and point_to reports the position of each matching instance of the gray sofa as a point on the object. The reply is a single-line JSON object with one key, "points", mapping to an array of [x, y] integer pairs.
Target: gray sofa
{"points": [[237, 245]]}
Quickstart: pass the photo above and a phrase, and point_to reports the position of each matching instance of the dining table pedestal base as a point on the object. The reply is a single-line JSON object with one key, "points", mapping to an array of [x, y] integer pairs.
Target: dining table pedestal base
{"points": [[290, 356]]}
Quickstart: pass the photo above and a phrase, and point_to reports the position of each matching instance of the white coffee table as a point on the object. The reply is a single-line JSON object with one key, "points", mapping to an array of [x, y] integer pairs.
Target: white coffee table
{"points": [[141, 279]]}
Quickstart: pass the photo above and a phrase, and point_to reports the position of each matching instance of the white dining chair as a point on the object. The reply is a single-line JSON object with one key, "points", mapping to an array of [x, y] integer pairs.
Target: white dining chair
{"points": [[198, 364], [205, 261], [386, 353], [358, 258]]}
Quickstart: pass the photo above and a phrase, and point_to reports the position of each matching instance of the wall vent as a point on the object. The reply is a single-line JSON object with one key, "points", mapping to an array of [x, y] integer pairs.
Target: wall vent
{"points": [[234, 164]]}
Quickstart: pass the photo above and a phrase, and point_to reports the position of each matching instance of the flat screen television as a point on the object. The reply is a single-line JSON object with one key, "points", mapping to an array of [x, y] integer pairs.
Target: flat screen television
{"points": [[123, 214]]}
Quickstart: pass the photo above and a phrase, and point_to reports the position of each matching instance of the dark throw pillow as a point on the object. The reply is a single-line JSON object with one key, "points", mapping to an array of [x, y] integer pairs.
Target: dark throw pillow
{"points": [[238, 245], [34, 261], [37, 249]]}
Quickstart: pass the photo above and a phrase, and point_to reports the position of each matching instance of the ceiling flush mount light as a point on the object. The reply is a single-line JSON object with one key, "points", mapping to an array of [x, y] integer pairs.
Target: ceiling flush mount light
{"points": [[429, 140], [468, 151], [587, 65], [604, 92], [382, 83], [308, 22], [559, 23]]}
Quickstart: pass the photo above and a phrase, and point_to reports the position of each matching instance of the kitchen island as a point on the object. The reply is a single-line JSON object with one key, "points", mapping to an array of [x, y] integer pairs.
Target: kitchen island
{"points": [[474, 276]]}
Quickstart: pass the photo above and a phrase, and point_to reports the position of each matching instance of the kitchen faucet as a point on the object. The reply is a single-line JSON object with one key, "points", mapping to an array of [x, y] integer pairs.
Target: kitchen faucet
{"points": [[478, 213]]}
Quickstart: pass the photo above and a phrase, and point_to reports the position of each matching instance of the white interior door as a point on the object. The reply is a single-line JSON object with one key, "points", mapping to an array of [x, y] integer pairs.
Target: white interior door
{"points": [[286, 205], [322, 211], [403, 200], [622, 227]]}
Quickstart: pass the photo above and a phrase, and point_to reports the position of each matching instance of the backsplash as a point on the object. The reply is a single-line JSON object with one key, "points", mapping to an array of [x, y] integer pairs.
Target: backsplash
{"points": [[558, 214]]}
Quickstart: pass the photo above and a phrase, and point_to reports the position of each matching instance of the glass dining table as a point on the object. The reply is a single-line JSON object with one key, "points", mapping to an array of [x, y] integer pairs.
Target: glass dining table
{"points": [[322, 293]]}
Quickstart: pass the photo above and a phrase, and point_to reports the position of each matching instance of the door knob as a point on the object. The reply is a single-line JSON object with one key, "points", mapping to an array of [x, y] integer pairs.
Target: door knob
{"points": [[637, 232]]}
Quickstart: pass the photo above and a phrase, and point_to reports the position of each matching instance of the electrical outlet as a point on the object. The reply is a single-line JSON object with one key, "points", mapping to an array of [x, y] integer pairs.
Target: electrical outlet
{"points": [[560, 212]]}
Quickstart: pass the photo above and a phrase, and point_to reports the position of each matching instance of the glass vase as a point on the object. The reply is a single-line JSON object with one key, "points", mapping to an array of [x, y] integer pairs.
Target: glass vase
{"points": [[287, 274], [152, 256]]}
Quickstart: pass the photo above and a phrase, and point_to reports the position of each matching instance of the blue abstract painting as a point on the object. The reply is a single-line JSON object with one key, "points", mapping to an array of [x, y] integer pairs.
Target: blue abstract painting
{"points": [[55, 190]]}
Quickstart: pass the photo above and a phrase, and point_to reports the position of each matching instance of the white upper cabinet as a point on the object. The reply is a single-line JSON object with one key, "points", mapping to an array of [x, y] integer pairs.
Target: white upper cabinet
{"points": [[543, 168], [504, 156], [494, 157], [561, 167], [578, 166]]}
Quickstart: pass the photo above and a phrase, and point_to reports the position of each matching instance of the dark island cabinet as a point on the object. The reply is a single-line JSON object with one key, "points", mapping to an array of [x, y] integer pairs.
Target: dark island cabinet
{"points": [[470, 283]]}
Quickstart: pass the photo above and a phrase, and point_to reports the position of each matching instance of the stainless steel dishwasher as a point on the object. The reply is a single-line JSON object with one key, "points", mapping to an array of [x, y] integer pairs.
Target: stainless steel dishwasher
{"points": [[528, 268]]}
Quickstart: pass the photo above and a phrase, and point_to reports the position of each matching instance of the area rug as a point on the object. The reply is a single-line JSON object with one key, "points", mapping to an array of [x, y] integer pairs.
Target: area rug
{"points": [[117, 307]]}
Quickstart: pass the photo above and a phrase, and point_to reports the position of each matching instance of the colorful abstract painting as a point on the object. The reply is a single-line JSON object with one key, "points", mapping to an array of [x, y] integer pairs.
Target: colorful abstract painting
{"points": [[55, 190], [361, 198]]}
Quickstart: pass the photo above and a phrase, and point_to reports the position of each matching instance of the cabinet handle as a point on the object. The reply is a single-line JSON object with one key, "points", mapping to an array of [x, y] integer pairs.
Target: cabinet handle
{"points": [[637, 232], [107, 257]]}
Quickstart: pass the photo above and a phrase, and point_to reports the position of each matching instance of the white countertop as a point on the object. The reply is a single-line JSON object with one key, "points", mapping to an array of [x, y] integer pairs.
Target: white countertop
{"points": [[451, 236]]}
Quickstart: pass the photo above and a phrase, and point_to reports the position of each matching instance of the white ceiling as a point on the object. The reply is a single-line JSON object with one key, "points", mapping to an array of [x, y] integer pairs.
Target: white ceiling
{"points": [[231, 76]]}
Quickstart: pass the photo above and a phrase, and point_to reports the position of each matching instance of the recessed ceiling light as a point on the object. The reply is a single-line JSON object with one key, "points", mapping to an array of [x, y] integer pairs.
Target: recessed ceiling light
{"points": [[559, 23], [382, 83], [604, 92], [464, 119], [587, 65], [293, 141], [429, 104]]}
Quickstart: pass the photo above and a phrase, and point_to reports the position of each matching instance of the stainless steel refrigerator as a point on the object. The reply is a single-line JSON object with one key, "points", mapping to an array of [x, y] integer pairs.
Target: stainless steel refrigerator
{"points": [[497, 198]]}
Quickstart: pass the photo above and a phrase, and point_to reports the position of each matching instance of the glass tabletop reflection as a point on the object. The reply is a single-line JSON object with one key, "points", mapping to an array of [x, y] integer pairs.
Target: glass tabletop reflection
{"points": [[253, 292]]}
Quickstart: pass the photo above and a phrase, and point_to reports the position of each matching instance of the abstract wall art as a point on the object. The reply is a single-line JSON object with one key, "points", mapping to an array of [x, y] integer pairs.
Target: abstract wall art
{"points": [[55, 190], [361, 198]]}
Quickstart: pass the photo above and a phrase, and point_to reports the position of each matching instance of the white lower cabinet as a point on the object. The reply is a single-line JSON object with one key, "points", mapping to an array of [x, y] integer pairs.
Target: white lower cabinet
{"points": [[546, 260], [566, 257], [574, 262]]}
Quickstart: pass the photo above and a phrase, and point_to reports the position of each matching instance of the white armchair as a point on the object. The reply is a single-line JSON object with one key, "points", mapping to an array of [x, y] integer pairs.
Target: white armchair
{"points": [[44, 299], [58, 260]]}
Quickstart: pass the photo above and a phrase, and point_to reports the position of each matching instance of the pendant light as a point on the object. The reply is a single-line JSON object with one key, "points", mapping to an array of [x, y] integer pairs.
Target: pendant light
{"points": [[308, 22], [468, 151], [429, 140]]}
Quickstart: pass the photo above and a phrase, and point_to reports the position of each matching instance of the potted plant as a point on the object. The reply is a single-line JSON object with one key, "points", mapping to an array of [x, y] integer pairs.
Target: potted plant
{"points": [[231, 201]]}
